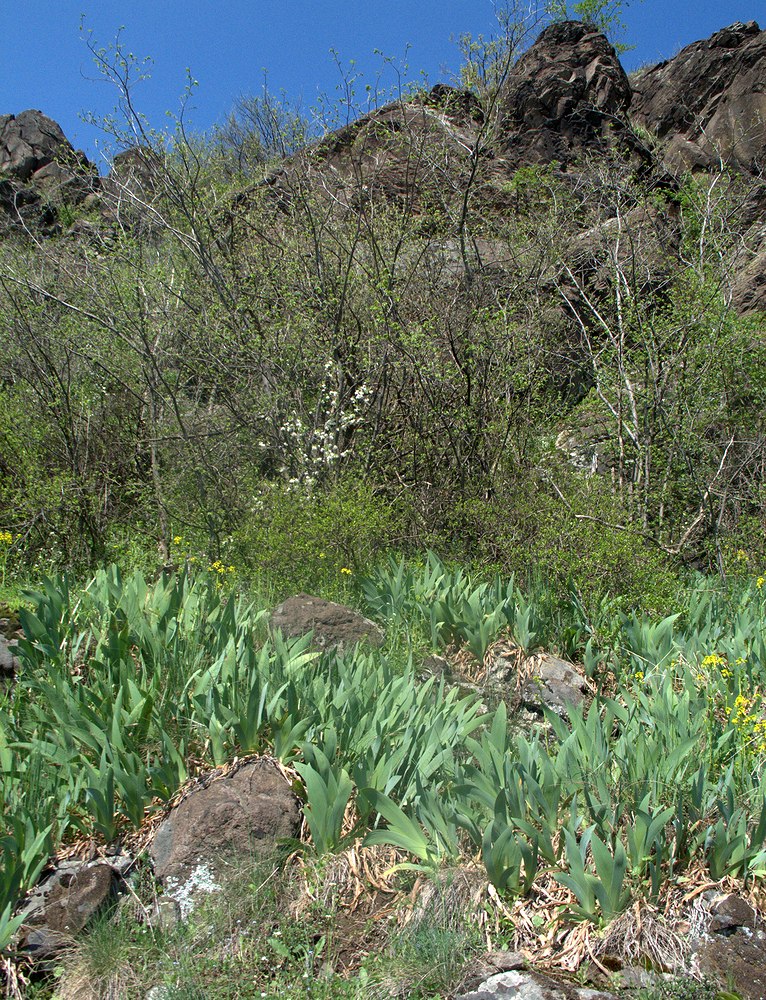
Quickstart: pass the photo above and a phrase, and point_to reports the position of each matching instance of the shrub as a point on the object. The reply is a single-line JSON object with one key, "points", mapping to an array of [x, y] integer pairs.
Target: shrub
{"points": [[309, 542]]}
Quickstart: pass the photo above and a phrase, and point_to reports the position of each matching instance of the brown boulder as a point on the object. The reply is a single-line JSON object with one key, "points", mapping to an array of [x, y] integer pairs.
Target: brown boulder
{"points": [[247, 810], [709, 102], [335, 626], [62, 905]]}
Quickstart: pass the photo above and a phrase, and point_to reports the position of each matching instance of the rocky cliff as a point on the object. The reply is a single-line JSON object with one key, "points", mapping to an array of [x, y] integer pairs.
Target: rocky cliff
{"points": [[564, 104], [708, 104]]}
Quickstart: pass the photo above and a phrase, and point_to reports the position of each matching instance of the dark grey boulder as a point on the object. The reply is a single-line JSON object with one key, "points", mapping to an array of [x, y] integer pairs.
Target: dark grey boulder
{"points": [[537, 682], [9, 662], [552, 683], [729, 912]]}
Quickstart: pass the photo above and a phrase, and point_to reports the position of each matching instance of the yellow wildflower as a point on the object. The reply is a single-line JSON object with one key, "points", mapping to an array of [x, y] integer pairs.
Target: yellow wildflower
{"points": [[760, 581], [713, 660], [345, 570], [5, 538]]}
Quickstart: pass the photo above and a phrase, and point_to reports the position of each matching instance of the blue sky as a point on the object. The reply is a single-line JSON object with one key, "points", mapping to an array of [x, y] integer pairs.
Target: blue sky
{"points": [[227, 45]]}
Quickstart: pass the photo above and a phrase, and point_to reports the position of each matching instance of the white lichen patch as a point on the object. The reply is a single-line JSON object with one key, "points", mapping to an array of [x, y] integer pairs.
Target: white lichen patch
{"points": [[201, 879]]}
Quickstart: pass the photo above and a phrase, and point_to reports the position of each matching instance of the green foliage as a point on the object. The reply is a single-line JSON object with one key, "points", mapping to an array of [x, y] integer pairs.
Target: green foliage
{"points": [[603, 893], [259, 129], [681, 988], [319, 389], [428, 960], [443, 601], [310, 542], [25, 852], [605, 15], [328, 789], [619, 798]]}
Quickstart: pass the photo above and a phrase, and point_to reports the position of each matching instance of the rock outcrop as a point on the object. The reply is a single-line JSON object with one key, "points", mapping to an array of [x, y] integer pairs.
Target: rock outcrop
{"points": [[709, 103], [566, 96], [731, 948], [39, 169], [531, 986], [29, 142], [707, 106], [412, 153]]}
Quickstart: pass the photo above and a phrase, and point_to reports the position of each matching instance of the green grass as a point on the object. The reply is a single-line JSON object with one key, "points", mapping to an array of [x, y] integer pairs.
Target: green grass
{"points": [[241, 942]]}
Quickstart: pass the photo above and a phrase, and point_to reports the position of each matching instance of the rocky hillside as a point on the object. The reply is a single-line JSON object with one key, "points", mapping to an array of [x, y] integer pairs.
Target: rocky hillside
{"points": [[525, 222], [491, 368], [566, 98], [564, 102]]}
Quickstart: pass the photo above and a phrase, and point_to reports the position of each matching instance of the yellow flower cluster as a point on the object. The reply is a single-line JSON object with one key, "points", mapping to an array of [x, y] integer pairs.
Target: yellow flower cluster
{"points": [[747, 717], [219, 568], [5, 538], [760, 581], [714, 660], [345, 570]]}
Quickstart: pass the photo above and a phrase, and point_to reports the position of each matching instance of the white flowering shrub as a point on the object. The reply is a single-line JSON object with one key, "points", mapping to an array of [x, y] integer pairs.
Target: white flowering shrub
{"points": [[313, 446]]}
